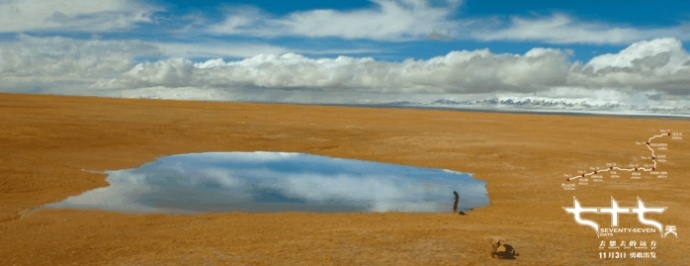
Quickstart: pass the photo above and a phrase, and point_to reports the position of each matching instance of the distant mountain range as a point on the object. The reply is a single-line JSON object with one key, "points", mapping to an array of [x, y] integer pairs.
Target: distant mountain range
{"points": [[541, 104]]}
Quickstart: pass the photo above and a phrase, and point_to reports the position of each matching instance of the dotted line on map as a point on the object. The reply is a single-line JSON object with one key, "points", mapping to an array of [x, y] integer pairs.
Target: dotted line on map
{"points": [[634, 169]]}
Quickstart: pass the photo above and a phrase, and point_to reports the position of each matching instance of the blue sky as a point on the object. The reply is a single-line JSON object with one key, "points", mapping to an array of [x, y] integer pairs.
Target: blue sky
{"points": [[441, 26], [616, 54], [600, 15]]}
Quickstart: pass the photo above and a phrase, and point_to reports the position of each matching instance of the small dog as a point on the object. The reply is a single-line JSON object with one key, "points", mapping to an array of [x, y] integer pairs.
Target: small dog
{"points": [[503, 251]]}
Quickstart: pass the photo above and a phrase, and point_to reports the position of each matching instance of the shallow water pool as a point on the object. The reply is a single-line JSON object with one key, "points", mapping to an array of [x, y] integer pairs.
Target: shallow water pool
{"points": [[278, 182]]}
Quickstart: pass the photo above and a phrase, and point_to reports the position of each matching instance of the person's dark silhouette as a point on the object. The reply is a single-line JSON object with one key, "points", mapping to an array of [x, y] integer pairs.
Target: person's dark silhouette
{"points": [[455, 204]]}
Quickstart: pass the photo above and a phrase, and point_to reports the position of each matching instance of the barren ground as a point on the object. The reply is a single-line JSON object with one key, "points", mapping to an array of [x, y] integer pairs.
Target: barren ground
{"points": [[46, 141]]}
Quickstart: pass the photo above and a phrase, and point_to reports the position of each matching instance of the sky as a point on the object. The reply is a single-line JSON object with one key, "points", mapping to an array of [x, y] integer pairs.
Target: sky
{"points": [[604, 56]]}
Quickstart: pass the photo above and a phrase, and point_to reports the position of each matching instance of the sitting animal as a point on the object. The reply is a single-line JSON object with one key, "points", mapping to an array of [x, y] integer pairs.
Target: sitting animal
{"points": [[504, 251]]}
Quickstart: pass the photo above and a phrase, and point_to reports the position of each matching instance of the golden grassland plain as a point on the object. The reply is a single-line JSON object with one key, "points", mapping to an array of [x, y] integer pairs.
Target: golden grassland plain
{"points": [[46, 141]]}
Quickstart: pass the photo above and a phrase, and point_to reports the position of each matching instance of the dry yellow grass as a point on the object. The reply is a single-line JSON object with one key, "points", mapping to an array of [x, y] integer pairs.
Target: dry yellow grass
{"points": [[46, 141]]}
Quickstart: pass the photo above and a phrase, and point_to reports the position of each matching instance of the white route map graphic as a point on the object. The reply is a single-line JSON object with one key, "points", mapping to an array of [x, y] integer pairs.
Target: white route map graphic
{"points": [[653, 144]]}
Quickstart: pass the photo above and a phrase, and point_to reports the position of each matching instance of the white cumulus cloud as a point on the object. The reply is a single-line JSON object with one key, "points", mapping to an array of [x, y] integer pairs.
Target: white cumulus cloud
{"points": [[458, 72], [31, 62], [647, 74], [660, 64]]}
